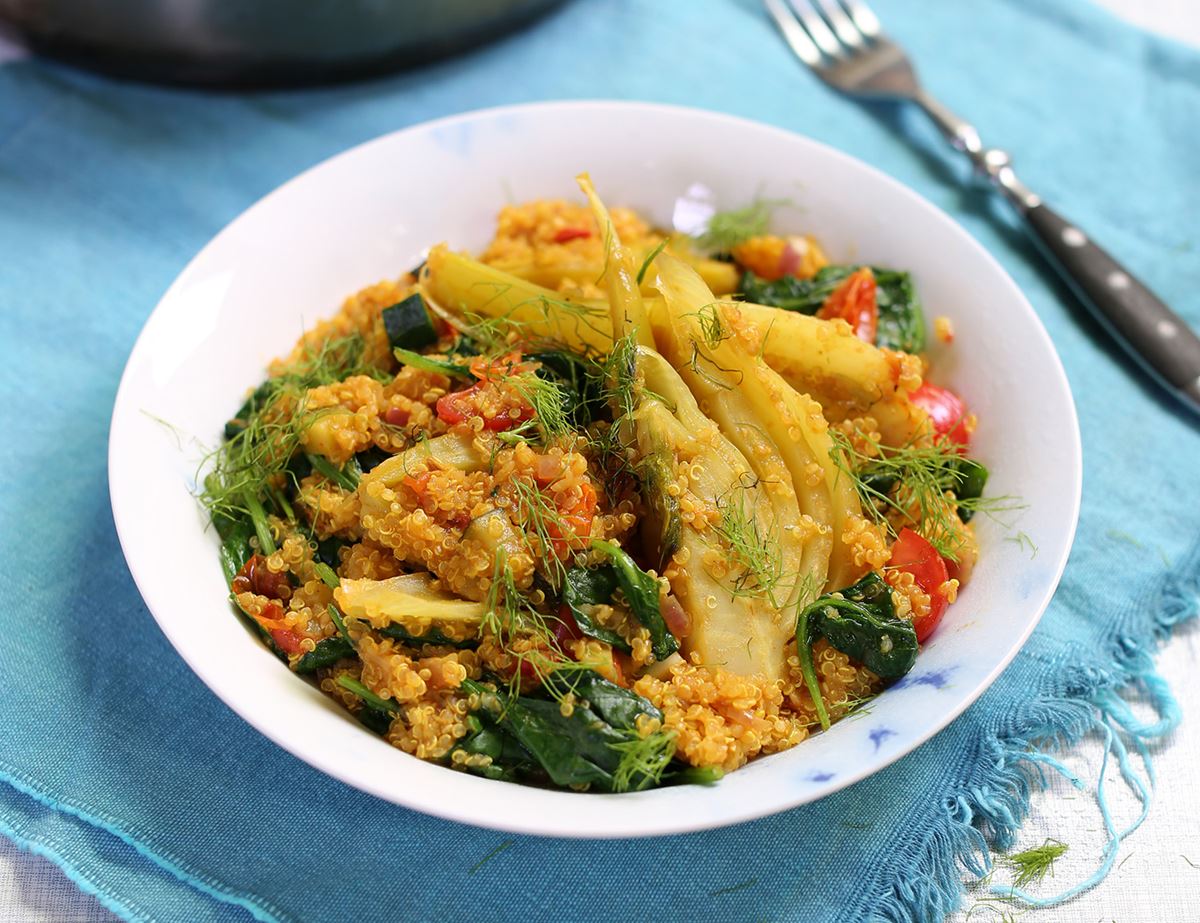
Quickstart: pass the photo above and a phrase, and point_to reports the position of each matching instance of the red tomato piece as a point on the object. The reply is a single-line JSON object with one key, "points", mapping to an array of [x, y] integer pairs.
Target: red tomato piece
{"points": [[789, 260], [914, 555], [854, 302], [256, 577], [946, 410], [507, 420], [499, 406], [288, 640], [562, 235], [567, 629], [440, 327], [456, 406], [547, 470]]}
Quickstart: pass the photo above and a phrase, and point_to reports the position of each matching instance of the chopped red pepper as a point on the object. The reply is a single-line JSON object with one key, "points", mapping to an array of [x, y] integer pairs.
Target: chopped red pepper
{"points": [[271, 621], [623, 667], [562, 235], [419, 483], [500, 368], [456, 406], [575, 521], [396, 416]]}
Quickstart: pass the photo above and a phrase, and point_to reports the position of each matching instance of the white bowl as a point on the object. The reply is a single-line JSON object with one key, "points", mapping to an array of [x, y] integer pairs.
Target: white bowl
{"points": [[369, 213]]}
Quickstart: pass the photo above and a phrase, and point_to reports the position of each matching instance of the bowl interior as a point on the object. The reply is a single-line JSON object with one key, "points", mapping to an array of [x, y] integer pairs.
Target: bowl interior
{"points": [[369, 213]]}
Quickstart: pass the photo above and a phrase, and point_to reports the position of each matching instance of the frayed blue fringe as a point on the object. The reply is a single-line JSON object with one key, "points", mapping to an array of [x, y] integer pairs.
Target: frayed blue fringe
{"points": [[987, 814]]}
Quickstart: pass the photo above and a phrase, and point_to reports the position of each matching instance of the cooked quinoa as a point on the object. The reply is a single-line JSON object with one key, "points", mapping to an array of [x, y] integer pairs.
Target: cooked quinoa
{"points": [[682, 509]]}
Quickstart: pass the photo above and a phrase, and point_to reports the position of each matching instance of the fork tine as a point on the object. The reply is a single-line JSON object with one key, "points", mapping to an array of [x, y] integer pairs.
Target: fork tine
{"points": [[794, 33], [817, 30], [842, 24], [867, 21]]}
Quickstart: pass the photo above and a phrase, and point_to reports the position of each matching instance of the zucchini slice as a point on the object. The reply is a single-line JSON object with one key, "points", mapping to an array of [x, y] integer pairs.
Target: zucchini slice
{"points": [[408, 324]]}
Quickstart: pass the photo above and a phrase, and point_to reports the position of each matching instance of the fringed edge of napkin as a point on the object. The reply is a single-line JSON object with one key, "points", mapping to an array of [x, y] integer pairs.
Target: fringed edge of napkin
{"points": [[986, 811]]}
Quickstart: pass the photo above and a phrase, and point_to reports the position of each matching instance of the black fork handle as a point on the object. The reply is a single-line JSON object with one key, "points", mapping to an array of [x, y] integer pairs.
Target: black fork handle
{"points": [[1158, 338], [1154, 335]]}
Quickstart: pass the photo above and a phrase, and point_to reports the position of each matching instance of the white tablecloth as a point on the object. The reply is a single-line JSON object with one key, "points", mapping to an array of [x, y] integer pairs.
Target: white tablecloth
{"points": [[1157, 876]]}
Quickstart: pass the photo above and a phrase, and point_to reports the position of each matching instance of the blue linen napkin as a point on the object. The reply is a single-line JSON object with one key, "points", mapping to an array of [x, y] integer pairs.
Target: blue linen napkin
{"points": [[117, 763]]}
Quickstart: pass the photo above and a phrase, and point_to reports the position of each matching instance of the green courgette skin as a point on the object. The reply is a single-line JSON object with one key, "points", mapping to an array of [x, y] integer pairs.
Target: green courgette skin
{"points": [[408, 325]]}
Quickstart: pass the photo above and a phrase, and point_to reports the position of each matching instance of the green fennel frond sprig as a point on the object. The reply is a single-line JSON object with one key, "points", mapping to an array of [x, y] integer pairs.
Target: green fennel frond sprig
{"points": [[259, 448], [727, 229], [643, 761], [755, 549], [1032, 865], [910, 484]]}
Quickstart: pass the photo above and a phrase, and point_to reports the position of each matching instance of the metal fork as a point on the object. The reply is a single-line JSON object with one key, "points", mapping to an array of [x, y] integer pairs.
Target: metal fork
{"points": [[843, 43]]}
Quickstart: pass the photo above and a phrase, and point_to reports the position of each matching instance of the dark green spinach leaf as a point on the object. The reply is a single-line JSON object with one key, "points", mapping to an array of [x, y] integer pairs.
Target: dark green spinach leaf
{"points": [[970, 480], [584, 747], [617, 705], [509, 760], [327, 652], [860, 621], [433, 637], [374, 719], [235, 543], [585, 587], [642, 593], [581, 379]]}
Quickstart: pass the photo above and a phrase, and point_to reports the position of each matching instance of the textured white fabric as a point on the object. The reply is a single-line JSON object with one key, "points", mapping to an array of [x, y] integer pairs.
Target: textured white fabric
{"points": [[34, 890], [1157, 877]]}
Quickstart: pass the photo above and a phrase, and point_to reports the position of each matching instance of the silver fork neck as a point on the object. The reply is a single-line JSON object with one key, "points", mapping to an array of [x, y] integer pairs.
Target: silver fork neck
{"points": [[991, 163]]}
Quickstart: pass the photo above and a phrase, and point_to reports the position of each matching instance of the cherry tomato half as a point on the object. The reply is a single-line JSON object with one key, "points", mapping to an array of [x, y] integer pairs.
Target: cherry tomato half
{"points": [[497, 416], [854, 302], [456, 406], [914, 555], [946, 410]]}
